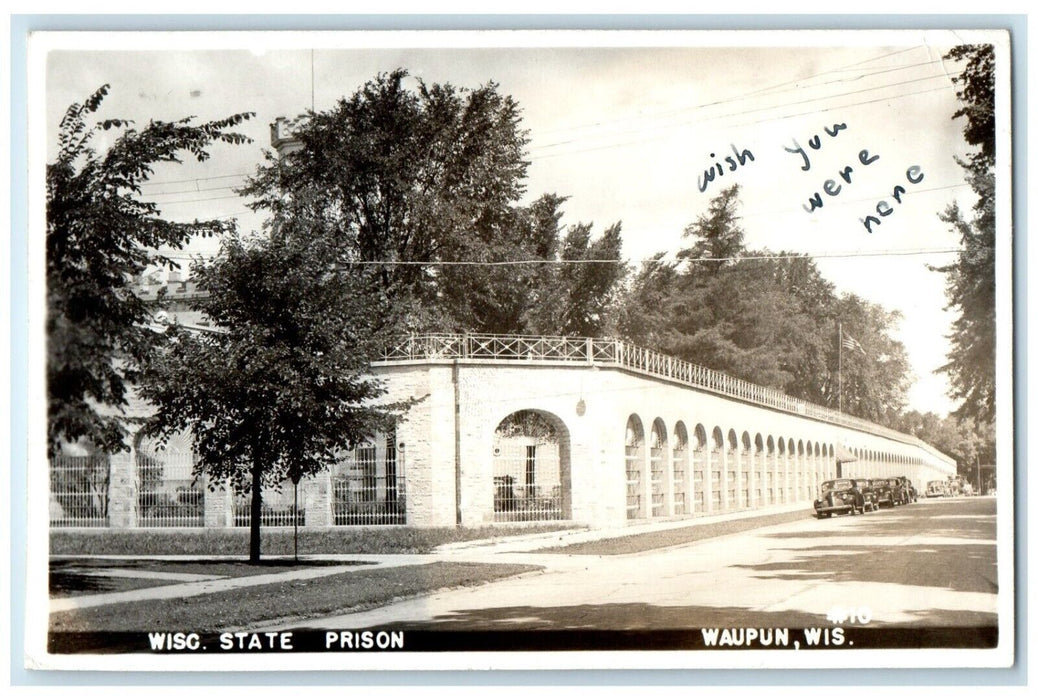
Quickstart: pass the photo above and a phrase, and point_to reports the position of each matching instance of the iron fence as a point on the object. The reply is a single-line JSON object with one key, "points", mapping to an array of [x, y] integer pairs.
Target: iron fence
{"points": [[168, 494], [699, 479], [657, 484], [79, 491], [364, 501], [527, 480], [368, 486], [278, 507]]}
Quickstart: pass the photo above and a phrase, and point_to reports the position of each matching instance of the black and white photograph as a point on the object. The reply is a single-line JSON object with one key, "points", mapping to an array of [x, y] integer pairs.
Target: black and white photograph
{"points": [[472, 349]]}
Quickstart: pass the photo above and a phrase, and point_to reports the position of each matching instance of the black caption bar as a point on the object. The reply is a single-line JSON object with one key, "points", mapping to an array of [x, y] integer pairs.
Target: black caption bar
{"points": [[424, 640]]}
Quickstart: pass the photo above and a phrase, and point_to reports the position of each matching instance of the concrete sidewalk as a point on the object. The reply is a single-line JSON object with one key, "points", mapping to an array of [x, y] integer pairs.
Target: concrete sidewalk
{"points": [[514, 549], [543, 540]]}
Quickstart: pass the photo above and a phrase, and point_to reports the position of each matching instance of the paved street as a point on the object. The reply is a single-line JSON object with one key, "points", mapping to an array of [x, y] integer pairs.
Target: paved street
{"points": [[929, 564]]}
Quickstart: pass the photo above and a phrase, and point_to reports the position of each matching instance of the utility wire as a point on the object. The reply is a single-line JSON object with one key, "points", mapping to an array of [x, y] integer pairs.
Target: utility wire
{"points": [[674, 125], [194, 179], [654, 136], [621, 133], [754, 93], [853, 104], [611, 261], [191, 190]]}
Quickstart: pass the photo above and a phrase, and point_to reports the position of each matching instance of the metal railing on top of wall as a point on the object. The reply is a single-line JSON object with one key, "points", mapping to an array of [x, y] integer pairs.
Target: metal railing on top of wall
{"points": [[608, 352]]}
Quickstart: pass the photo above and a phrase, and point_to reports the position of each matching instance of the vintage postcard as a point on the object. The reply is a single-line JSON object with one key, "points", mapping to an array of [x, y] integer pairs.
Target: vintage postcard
{"points": [[504, 350]]}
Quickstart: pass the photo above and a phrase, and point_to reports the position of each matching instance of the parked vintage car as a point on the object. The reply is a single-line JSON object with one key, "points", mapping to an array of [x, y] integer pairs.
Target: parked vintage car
{"points": [[935, 489], [868, 493], [897, 490], [884, 491], [908, 492], [839, 496]]}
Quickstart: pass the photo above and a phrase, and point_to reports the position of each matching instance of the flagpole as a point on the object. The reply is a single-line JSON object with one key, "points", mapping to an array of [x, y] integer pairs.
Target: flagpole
{"points": [[839, 371]]}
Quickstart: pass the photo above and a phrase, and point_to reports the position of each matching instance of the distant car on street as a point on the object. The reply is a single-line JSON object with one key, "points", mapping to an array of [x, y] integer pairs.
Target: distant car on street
{"points": [[935, 489], [839, 496]]}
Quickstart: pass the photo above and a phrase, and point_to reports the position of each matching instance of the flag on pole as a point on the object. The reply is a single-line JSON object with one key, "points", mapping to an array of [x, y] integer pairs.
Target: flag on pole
{"points": [[850, 343]]}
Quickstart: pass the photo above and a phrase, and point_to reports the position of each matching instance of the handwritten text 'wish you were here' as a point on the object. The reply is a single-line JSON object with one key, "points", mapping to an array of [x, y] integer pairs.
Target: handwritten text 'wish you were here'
{"points": [[831, 188]]}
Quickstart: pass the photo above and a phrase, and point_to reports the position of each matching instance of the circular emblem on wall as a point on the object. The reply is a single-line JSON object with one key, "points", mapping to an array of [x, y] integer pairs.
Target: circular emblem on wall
{"points": [[581, 407]]}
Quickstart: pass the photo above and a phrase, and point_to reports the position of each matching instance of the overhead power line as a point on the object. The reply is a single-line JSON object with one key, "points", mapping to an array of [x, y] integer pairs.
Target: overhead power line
{"points": [[654, 136], [194, 179], [756, 93], [613, 261], [674, 125]]}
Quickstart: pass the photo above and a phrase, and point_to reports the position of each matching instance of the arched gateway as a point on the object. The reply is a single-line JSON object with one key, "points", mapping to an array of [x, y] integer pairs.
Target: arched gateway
{"points": [[531, 467]]}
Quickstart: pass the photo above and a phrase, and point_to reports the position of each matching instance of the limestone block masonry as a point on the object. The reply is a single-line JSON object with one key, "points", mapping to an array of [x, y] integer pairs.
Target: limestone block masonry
{"points": [[634, 435], [761, 455]]}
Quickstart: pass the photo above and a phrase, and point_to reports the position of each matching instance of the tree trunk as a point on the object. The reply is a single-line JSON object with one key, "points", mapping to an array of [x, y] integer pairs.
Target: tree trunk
{"points": [[256, 509]]}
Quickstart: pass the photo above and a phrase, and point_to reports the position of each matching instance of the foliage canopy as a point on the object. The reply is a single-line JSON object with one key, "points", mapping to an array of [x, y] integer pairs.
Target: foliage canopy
{"points": [[970, 286], [419, 183], [101, 236], [281, 387], [771, 319]]}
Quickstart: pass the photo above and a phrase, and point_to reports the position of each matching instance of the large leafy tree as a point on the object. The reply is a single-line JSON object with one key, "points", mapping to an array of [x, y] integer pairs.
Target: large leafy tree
{"points": [[282, 385], [717, 237], [812, 360], [403, 175], [875, 379], [715, 307], [768, 318], [423, 184], [577, 296], [971, 277], [101, 235], [968, 441]]}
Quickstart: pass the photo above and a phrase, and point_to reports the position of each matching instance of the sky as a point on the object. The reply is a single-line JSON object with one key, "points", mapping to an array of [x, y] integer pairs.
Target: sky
{"points": [[623, 125]]}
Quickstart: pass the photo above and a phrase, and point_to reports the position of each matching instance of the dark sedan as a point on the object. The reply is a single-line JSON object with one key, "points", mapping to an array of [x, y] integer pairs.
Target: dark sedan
{"points": [[885, 492], [839, 496]]}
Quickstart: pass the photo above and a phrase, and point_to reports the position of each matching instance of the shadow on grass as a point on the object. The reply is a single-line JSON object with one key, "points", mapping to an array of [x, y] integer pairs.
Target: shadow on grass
{"points": [[255, 604], [72, 577], [70, 583]]}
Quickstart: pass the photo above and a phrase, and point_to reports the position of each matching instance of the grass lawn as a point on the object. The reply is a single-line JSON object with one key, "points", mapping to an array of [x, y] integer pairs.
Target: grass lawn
{"points": [[72, 577], [305, 599], [68, 584], [235, 541], [643, 542]]}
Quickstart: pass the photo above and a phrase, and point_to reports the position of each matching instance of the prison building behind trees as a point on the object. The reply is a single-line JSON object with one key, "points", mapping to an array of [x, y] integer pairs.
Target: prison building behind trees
{"points": [[595, 432]]}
